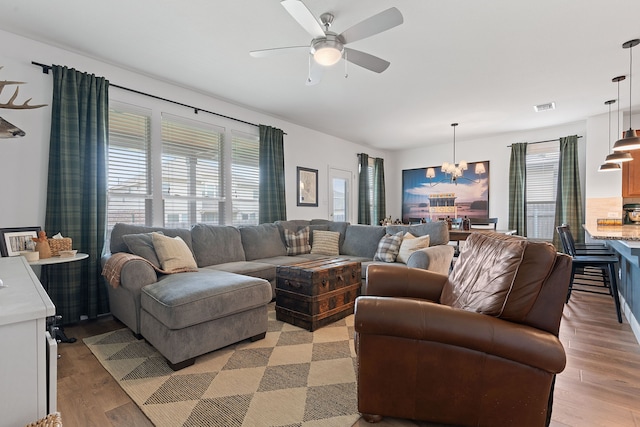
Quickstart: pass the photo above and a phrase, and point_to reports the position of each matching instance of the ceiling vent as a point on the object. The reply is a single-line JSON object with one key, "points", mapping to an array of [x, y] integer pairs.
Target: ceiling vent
{"points": [[545, 107]]}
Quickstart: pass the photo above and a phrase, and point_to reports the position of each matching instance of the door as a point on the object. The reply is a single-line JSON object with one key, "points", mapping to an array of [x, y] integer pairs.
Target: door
{"points": [[339, 194]]}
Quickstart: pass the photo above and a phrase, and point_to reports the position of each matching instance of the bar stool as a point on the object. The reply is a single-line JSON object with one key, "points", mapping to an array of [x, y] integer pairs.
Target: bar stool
{"points": [[587, 248], [605, 262]]}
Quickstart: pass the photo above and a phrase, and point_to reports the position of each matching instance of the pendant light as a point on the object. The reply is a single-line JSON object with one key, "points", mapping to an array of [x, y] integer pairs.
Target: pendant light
{"points": [[617, 156], [607, 166], [630, 141], [452, 169]]}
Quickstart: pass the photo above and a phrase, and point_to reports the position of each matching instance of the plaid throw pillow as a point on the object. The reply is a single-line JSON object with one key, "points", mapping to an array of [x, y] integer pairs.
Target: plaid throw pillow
{"points": [[298, 242], [388, 247]]}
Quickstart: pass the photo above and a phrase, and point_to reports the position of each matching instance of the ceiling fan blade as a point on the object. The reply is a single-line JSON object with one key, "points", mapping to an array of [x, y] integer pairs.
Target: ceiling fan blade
{"points": [[315, 72], [304, 17], [366, 60], [263, 53], [383, 21]]}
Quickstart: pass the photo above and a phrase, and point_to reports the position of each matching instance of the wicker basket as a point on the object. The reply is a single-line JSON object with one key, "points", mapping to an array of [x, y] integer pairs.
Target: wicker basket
{"points": [[58, 245], [51, 420]]}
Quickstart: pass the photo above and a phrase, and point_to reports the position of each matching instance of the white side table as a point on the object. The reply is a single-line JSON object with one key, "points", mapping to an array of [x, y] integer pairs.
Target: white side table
{"points": [[60, 259], [59, 330]]}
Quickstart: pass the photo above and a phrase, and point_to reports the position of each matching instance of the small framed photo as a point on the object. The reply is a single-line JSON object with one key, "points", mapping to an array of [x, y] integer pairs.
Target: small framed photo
{"points": [[307, 186], [14, 240]]}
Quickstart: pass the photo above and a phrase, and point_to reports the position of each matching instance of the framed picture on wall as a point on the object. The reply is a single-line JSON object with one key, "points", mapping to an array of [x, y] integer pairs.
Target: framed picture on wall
{"points": [[430, 194], [15, 240], [307, 182]]}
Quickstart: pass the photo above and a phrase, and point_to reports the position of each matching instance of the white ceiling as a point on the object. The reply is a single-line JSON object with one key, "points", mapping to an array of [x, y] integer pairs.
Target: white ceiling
{"points": [[484, 64]]}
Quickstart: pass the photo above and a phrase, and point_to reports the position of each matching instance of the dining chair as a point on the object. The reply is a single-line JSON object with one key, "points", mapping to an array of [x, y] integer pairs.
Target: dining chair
{"points": [[586, 264], [484, 223]]}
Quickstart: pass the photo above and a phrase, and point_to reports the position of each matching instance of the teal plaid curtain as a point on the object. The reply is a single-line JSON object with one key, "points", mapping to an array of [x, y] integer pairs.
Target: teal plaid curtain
{"points": [[364, 209], [77, 190], [379, 199], [272, 203], [569, 196], [518, 188]]}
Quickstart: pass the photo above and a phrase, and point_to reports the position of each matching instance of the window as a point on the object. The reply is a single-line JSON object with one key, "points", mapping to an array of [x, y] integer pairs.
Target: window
{"points": [[204, 173], [129, 177], [245, 178], [191, 172], [542, 181]]}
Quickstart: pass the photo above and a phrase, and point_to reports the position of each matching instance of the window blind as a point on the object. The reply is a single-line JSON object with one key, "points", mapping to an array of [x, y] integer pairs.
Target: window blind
{"points": [[245, 178], [542, 182], [129, 177], [191, 172]]}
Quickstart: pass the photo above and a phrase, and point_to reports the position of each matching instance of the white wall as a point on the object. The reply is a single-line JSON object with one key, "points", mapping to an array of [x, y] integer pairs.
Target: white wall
{"points": [[493, 149], [24, 161]]}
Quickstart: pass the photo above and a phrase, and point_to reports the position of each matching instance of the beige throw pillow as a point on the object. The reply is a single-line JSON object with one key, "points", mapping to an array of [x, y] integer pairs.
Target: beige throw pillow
{"points": [[173, 253], [326, 243], [410, 244]]}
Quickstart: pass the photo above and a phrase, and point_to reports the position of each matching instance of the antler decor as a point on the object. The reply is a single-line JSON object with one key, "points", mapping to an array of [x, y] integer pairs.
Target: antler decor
{"points": [[11, 105]]}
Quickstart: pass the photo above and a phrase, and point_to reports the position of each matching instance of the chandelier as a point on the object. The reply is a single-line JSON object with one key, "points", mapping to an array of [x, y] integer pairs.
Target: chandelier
{"points": [[453, 170]]}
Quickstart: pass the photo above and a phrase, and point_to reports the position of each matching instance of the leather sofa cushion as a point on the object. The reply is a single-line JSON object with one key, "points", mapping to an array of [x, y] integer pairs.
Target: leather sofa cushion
{"points": [[216, 244], [498, 275], [483, 275]]}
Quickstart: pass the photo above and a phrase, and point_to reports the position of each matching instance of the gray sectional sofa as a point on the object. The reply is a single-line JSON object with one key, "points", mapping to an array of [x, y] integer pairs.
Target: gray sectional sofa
{"points": [[187, 314]]}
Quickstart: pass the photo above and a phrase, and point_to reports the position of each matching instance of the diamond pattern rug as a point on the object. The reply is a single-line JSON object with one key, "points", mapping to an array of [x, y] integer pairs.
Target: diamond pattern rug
{"points": [[293, 377]]}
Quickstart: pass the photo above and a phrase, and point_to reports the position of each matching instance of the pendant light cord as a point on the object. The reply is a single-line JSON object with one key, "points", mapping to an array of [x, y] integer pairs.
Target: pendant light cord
{"points": [[630, 80], [610, 127]]}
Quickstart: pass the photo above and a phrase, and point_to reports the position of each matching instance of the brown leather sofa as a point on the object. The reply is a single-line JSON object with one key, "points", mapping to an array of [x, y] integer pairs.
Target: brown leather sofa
{"points": [[477, 348]]}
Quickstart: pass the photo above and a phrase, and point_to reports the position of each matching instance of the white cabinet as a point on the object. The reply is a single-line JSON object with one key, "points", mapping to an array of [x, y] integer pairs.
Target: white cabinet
{"points": [[27, 383]]}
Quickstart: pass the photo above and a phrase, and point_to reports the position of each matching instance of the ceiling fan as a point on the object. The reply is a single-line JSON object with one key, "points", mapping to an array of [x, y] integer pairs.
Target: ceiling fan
{"points": [[326, 47]]}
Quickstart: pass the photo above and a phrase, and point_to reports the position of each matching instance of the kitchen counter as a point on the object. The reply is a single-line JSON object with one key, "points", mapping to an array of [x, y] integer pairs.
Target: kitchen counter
{"points": [[629, 233]]}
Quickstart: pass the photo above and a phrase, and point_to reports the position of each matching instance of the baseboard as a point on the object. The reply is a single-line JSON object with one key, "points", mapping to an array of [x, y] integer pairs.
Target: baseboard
{"points": [[633, 322]]}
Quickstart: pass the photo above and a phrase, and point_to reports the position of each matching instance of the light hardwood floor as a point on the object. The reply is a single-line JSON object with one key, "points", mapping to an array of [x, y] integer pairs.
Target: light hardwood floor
{"points": [[599, 387]]}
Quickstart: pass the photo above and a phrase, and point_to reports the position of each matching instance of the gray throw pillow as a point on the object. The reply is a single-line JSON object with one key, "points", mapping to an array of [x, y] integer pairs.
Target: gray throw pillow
{"points": [[142, 245]]}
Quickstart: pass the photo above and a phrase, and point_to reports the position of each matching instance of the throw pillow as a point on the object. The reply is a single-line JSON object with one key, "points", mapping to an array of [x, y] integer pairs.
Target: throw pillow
{"points": [[410, 245], [388, 247], [298, 242], [173, 253], [141, 244], [326, 243]]}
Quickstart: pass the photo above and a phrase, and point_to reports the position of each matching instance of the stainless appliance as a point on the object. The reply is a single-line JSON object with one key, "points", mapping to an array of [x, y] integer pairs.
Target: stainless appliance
{"points": [[631, 213]]}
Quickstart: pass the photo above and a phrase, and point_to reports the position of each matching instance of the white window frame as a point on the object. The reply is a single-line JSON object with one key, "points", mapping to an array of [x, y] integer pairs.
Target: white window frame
{"points": [[542, 163], [230, 129]]}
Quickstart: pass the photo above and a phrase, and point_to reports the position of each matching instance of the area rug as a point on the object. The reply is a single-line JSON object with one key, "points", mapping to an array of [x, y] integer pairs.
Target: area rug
{"points": [[293, 377]]}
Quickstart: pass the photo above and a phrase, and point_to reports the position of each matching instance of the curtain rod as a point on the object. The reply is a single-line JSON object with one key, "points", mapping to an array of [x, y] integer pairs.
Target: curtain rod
{"points": [[548, 140], [46, 68]]}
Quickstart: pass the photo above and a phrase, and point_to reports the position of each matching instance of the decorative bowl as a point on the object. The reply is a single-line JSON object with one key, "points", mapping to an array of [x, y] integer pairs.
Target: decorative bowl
{"points": [[31, 256], [68, 254]]}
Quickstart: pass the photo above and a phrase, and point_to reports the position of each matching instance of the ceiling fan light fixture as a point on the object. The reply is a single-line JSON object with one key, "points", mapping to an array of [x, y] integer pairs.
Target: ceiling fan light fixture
{"points": [[327, 52]]}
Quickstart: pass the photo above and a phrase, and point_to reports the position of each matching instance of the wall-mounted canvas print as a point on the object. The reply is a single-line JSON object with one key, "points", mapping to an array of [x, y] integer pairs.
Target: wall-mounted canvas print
{"points": [[430, 194]]}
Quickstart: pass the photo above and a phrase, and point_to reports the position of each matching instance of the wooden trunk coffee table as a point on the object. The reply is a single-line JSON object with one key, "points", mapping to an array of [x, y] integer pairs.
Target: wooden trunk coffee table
{"points": [[315, 293]]}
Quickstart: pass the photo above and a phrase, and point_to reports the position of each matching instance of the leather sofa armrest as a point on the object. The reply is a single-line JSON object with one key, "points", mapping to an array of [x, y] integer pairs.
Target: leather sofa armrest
{"points": [[390, 281], [426, 321], [434, 258]]}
